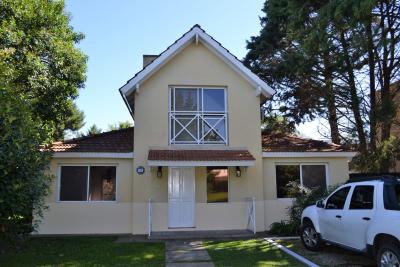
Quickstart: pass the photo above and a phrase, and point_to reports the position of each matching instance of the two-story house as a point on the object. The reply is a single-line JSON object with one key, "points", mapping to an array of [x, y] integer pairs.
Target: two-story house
{"points": [[196, 158]]}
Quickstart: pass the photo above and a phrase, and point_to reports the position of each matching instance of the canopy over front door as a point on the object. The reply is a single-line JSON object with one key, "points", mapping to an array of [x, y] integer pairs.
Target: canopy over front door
{"points": [[200, 157]]}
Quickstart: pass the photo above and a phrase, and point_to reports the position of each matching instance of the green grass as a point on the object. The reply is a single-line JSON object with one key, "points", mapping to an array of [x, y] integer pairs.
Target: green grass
{"points": [[330, 255], [248, 253], [85, 251]]}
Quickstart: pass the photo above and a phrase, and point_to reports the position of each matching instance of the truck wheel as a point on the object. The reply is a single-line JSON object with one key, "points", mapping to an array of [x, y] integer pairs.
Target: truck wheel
{"points": [[388, 255], [310, 238]]}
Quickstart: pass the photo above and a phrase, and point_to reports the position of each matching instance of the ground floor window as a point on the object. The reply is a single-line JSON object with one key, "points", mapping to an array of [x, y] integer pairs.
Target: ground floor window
{"points": [[309, 175], [217, 184], [87, 183]]}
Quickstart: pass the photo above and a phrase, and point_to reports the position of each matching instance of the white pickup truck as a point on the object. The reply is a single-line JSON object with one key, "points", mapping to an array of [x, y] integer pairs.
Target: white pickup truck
{"points": [[362, 215]]}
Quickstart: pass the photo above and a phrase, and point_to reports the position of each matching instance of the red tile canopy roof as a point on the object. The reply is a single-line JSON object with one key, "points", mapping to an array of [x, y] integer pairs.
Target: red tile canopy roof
{"points": [[118, 141], [121, 141], [200, 155], [291, 143]]}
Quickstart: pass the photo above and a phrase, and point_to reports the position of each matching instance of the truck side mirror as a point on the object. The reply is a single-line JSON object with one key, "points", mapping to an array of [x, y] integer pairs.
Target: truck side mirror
{"points": [[320, 204]]}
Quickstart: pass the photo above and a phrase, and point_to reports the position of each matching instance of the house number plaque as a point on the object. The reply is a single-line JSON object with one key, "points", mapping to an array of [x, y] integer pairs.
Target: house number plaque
{"points": [[140, 170]]}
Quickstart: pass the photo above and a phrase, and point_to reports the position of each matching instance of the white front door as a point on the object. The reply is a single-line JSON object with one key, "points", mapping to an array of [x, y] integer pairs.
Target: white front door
{"points": [[181, 196]]}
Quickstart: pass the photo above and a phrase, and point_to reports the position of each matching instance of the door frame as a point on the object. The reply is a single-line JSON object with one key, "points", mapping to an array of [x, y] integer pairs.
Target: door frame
{"points": [[193, 198]]}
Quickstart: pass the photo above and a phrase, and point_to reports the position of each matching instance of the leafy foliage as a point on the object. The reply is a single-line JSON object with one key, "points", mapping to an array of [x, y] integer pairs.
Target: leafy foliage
{"points": [[273, 123], [120, 125], [38, 58], [23, 180], [328, 59], [94, 129], [381, 159], [302, 198]]}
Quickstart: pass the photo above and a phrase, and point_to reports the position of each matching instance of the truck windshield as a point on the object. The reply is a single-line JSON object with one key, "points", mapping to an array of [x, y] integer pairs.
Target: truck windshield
{"points": [[392, 196]]}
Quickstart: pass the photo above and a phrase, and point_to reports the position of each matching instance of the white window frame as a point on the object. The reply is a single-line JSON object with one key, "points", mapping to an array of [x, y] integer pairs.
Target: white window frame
{"points": [[198, 115], [300, 164], [88, 182]]}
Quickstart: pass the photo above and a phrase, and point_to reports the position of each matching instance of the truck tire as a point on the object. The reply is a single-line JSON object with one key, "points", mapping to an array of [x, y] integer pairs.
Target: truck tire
{"points": [[310, 238], [388, 254]]}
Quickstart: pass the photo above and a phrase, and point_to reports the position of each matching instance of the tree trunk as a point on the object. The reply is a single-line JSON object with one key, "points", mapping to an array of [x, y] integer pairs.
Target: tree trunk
{"points": [[330, 100], [385, 76], [372, 89], [355, 102]]}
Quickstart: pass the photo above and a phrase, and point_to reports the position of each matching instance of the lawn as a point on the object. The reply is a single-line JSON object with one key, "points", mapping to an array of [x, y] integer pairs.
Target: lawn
{"points": [[248, 253], [330, 255], [85, 251]]}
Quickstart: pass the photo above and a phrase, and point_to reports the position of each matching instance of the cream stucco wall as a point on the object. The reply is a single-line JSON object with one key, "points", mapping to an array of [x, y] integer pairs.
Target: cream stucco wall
{"points": [[275, 209], [90, 217], [196, 66]]}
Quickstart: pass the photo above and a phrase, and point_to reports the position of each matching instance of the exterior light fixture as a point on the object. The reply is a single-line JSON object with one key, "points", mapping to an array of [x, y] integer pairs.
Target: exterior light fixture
{"points": [[238, 172], [159, 172]]}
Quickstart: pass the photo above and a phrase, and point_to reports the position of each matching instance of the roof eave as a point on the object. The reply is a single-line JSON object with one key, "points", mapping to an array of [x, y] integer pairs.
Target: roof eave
{"points": [[197, 34]]}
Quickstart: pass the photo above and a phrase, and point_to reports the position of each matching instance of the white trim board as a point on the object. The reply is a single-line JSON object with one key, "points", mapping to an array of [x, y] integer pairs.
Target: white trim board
{"points": [[126, 155], [197, 34], [309, 154], [242, 163]]}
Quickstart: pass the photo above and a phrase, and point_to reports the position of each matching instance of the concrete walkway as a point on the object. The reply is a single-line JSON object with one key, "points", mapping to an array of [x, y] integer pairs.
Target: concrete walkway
{"points": [[181, 253]]}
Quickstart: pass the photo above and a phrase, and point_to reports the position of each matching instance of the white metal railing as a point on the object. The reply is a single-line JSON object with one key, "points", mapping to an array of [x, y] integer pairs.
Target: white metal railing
{"points": [[251, 214], [150, 219], [200, 127]]}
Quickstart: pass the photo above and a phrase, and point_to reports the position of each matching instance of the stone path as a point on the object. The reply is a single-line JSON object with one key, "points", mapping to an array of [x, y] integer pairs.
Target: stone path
{"points": [[187, 253]]}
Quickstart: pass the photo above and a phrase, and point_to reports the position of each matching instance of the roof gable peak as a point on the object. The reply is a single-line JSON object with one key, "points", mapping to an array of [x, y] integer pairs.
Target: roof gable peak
{"points": [[196, 34]]}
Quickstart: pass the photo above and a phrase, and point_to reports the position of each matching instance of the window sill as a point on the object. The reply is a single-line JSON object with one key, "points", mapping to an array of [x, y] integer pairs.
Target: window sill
{"points": [[87, 202]]}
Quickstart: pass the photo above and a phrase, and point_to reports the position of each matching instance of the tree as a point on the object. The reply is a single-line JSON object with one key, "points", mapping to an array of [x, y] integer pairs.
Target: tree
{"points": [[37, 45], [24, 183], [120, 125], [93, 130], [273, 123], [328, 59]]}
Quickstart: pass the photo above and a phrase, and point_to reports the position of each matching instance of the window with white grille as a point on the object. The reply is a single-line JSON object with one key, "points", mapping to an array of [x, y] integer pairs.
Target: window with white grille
{"points": [[198, 116]]}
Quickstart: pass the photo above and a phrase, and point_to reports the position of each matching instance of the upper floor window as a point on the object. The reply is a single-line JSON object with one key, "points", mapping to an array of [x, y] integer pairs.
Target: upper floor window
{"points": [[198, 116]]}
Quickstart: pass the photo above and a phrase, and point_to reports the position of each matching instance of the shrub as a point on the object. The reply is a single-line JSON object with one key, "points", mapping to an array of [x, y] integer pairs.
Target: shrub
{"points": [[302, 198], [23, 180]]}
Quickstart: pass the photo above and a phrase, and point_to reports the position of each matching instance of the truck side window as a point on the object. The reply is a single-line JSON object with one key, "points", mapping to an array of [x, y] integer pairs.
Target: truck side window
{"points": [[391, 196], [338, 199], [362, 198]]}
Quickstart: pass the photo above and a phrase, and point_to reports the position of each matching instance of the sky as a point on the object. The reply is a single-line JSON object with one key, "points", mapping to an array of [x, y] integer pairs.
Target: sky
{"points": [[119, 32]]}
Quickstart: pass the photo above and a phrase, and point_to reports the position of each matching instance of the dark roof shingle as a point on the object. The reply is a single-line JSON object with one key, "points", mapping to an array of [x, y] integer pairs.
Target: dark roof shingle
{"points": [[199, 155], [113, 141], [122, 141], [291, 143]]}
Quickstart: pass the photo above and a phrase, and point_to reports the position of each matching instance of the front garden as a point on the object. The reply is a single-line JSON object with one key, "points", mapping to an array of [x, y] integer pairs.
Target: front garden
{"points": [[84, 251]]}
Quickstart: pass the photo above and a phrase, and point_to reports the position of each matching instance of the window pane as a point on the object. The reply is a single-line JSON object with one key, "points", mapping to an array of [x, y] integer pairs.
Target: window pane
{"points": [[362, 198], [217, 184], [186, 99], [284, 175], [218, 132], [337, 200], [314, 176], [391, 196], [102, 183], [214, 99], [190, 125], [73, 183]]}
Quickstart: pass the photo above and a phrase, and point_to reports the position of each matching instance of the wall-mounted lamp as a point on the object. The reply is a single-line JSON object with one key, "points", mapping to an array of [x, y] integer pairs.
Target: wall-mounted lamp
{"points": [[159, 171], [238, 172]]}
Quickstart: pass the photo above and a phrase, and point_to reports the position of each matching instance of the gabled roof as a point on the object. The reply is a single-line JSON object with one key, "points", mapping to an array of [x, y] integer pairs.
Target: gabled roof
{"points": [[197, 34], [289, 143], [121, 141], [118, 141]]}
